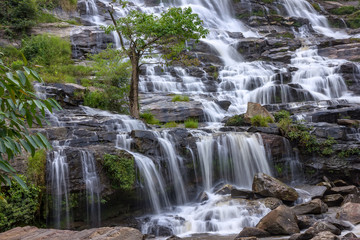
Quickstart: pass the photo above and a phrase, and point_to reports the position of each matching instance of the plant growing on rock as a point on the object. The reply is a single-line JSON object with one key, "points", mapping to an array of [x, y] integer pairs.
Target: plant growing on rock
{"points": [[147, 33], [191, 123], [120, 170], [260, 121]]}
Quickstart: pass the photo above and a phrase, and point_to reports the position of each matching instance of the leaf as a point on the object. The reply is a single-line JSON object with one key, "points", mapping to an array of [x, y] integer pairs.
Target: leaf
{"points": [[45, 141], [21, 182], [2, 199], [22, 77]]}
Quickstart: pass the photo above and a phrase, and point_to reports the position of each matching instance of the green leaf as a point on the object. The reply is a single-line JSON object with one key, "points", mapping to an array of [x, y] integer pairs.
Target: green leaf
{"points": [[21, 182], [22, 77]]}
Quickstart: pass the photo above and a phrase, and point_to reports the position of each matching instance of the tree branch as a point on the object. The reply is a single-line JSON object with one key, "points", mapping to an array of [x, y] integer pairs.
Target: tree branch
{"points": [[118, 32]]}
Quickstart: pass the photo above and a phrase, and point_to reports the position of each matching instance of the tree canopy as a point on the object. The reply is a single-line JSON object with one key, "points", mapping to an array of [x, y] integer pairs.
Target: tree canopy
{"points": [[20, 109], [143, 35]]}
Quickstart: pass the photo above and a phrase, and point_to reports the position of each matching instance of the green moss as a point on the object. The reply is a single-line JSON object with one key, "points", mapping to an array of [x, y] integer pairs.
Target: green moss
{"points": [[237, 120], [344, 10], [281, 115], [180, 98], [316, 6], [260, 121], [191, 123], [120, 170]]}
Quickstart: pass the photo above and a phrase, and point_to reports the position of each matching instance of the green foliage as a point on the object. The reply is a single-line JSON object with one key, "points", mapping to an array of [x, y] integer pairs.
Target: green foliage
{"points": [[180, 98], [47, 50], [237, 120], [344, 10], [170, 125], [120, 170], [21, 206], [316, 6], [19, 109], [353, 20], [191, 123], [17, 65], [69, 73], [281, 115], [18, 15], [149, 118], [260, 121], [37, 167], [67, 5], [349, 152]]}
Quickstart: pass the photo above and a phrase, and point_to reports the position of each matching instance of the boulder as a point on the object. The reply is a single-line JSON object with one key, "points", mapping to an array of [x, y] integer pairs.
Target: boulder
{"points": [[323, 226], [271, 202], [305, 221], [344, 190], [314, 191], [325, 236], [315, 206], [349, 236], [253, 232], [254, 109], [224, 190], [203, 197], [342, 225], [280, 221], [349, 212], [333, 200], [353, 198], [241, 193], [340, 183], [268, 186]]}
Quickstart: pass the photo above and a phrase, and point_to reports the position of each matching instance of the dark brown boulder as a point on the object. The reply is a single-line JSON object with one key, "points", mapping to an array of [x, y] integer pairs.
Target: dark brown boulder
{"points": [[315, 206], [281, 221], [333, 200], [349, 212], [268, 186], [253, 232]]}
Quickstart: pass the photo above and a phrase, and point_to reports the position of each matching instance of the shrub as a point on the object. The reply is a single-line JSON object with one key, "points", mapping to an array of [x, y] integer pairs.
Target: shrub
{"points": [[17, 65], [281, 115], [120, 170], [21, 206], [37, 167], [260, 121], [47, 50], [237, 120], [149, 118], [344, 10], [180, 98], [170, 125], [20, 15], [191, 123]]}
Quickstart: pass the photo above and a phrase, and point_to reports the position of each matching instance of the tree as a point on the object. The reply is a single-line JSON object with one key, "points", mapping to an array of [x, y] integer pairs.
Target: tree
{"points": [[148, 34], [19, 109]]}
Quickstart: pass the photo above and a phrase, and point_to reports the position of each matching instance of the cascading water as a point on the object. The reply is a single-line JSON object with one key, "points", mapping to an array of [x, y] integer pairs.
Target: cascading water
{"points": [[59, 184], [93, 188]]}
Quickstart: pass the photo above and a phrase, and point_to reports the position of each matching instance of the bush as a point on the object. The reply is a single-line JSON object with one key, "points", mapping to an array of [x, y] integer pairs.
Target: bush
{"points": [[121, 171], [237, 120], [180, 98], [19, 15], [37, 168], [21, 206], [344, 10], [17, 65], [281, 115], [47, 50], [170, 125], [149, 118], [191, 123], [260, 121]]}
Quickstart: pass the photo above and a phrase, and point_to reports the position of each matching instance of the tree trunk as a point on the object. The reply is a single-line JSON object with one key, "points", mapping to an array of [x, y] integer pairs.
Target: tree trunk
{"points": [[134, 87]]}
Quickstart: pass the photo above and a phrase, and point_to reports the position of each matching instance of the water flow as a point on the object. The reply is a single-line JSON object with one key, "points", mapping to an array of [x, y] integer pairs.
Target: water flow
{"points": [[93, 188], [59, 183], [303, 9], [238, 156]]}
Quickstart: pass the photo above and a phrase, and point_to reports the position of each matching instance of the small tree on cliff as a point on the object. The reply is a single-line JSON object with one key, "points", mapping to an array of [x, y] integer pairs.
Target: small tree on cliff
{"points": [[148, 33]]}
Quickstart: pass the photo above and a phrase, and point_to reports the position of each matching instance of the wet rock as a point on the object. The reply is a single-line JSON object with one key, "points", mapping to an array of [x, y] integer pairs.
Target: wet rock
{"points": [[315, 206], [281, 221], [342, 225], [173, 237], [271, 202], [333, 200], [314, 191], [254, 109], [224, 104], [226, 189], [305, 221], [353, 198], [253, 232], [325, 184], [349, 123], [241, 193], [340, 183], [348, 51], [344, 190], [325, 236], [246, 238], [203, 197], [349, 236], [323, 226], [349, 212], [145, 141], [268, 186]]}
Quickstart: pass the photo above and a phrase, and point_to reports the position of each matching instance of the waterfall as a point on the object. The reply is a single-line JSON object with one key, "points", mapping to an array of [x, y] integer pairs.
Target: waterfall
{"points": [[303, 9], [238, 157], [93, 188], [59, 184]]}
